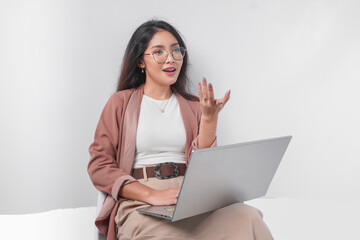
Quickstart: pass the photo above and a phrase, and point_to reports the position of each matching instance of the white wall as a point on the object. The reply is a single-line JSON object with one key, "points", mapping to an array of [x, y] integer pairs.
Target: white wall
{"points": [[292, 67]]}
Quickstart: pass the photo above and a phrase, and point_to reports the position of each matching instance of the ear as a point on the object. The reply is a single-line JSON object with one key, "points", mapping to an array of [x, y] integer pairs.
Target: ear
{"points": [[140, 63]]}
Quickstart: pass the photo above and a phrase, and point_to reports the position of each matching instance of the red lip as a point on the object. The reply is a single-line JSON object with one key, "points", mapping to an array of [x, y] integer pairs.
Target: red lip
{"points": [[170, 68], [170, 73]]}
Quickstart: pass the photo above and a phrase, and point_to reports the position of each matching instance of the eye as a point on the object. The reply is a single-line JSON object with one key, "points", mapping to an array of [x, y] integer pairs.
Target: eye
{"points": [[159, 52], [177, 50]]}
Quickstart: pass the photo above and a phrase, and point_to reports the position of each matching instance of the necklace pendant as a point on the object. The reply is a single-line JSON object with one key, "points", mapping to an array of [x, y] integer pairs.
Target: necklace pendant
{"points": [[162, 111]]}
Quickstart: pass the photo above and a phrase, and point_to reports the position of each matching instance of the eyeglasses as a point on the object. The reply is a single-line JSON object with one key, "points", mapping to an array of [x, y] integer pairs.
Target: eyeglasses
{"points": [[160, 56]]}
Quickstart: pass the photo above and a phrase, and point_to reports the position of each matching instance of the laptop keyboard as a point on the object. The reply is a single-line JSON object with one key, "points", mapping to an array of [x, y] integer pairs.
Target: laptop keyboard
{"points": [[164, 210]]}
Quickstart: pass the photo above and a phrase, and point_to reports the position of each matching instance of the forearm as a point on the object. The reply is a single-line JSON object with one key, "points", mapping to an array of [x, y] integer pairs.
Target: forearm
{"points": [[136, 191], [140, 192], [207, 132]]}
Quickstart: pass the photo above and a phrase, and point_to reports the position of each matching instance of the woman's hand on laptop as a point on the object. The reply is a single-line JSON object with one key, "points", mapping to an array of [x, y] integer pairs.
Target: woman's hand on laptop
{"points": [[141, 192], [163, 197]]}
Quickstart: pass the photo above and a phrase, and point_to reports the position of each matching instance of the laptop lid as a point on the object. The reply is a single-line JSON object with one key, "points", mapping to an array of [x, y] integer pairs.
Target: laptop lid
{"points": [[219, 176]]}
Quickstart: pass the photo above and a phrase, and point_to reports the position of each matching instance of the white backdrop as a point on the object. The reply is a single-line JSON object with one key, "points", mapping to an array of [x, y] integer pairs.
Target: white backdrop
{"points": [[292, 67]]}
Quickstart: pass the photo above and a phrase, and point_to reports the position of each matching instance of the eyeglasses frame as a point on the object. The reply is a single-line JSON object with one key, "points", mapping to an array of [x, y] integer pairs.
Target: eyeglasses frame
{"points": [[172, 54]]}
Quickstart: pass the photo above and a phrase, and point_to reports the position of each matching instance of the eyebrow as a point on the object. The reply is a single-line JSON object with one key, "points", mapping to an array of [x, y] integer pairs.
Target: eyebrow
{"points": [[163, 45]]}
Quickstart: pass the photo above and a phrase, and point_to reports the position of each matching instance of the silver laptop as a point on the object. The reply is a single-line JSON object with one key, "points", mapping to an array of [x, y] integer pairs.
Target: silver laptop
{"points": [[220, 176]]}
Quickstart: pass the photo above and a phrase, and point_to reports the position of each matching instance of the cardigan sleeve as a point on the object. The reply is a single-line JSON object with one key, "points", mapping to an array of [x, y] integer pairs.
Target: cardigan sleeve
{"points": [[195, 144], [104, 172]]}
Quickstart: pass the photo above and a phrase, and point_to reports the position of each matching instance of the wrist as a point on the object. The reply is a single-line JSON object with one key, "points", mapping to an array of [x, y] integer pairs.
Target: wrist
{"points": [[208, 123], [209, 119], [148, 195], [153, 197]]}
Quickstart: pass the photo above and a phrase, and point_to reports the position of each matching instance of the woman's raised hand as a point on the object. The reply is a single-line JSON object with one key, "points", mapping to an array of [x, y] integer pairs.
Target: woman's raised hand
{"points": [[210, 106]]}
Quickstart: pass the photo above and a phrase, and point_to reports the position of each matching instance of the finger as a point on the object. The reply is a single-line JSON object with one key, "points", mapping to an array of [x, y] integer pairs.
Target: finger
{"points": [[211, 93], [174, 190], [200, 92], [222, 101], [177, 192], [205, 88], [226, 97]]}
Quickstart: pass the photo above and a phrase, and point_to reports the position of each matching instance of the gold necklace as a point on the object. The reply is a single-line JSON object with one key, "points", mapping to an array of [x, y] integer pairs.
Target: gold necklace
{"points": [[162, 110]]}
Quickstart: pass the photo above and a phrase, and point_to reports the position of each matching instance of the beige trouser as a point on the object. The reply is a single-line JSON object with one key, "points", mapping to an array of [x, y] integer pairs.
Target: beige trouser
{"points": [[236, 221]]}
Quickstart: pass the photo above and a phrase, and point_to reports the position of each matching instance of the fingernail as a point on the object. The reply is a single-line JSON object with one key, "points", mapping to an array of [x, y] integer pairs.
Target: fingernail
{"points": [[229, 91], [210, 85]]}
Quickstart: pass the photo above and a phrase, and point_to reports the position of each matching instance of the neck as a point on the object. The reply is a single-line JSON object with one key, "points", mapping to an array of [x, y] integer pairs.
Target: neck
{"points": [[157, 92]]}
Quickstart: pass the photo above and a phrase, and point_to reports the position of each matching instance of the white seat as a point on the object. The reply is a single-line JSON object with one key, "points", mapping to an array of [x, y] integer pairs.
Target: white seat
{"points": [[100, 200]]}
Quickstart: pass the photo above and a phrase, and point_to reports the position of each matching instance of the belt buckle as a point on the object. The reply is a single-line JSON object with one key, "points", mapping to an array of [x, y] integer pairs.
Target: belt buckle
{"points": [[158, 172]]}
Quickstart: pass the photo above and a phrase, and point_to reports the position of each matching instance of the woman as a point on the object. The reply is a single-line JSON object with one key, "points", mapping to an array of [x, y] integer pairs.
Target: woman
{"points": [[152, 119]]}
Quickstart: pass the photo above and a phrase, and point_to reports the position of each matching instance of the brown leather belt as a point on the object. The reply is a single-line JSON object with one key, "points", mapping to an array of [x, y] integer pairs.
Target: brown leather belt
{"points": [[164, 170]]}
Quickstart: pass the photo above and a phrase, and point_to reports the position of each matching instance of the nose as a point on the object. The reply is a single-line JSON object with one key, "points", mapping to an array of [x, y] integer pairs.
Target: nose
{"points": [[170, 58]]}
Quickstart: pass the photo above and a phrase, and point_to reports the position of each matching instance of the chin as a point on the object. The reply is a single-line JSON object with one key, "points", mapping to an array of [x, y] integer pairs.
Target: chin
{"points": [[173, 82], [170, 81]]}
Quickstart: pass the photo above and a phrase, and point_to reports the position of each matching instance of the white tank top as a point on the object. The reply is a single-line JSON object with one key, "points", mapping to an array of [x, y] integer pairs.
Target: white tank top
{"points": [[160, 136]]}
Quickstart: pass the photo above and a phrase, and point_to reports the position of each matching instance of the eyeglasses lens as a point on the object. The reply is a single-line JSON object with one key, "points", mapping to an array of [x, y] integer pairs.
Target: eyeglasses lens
{"points": [[161, 56]]}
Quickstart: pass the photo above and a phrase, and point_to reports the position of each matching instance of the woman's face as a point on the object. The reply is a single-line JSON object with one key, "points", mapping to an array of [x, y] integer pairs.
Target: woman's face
{"points": [[161, 74]]}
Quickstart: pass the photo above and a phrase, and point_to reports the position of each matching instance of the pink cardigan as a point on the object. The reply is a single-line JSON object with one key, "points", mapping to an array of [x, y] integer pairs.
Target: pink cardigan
{"points": [[113, 150]]}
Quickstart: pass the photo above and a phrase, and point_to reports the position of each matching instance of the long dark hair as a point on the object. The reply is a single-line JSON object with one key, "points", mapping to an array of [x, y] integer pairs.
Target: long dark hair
{"points": [[131, 76]]}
